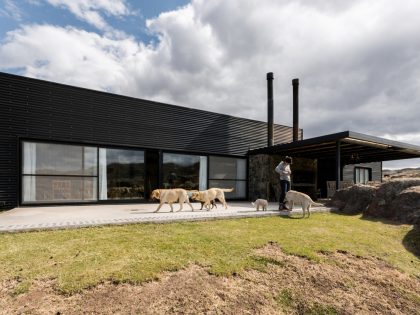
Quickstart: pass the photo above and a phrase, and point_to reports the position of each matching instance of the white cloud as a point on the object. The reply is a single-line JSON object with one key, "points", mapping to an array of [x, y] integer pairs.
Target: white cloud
{"points": [[91, 11], [357, 61], [73, 56], [11, 10]]}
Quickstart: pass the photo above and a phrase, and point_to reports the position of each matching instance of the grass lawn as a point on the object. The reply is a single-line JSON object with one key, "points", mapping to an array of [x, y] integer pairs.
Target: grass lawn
{"points": [[81, 258]]}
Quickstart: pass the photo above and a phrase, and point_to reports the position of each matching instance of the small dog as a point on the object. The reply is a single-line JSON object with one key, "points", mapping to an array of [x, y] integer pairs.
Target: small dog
{"points": [[212, 204], [293, 197], [211, 194], [260, 202], [170, 196]]}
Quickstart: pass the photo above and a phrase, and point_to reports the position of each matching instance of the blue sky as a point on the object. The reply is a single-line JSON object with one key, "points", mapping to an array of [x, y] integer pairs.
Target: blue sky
{"points": [[15, 13], [357, 61]]}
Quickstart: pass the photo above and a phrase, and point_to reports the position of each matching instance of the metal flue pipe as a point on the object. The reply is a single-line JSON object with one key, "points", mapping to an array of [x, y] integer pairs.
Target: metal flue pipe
{"points": [[270, 109], [295, 83]]}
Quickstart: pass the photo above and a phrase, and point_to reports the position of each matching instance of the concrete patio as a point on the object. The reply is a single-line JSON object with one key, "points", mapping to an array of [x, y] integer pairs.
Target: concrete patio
{"points": [[62, 217]]}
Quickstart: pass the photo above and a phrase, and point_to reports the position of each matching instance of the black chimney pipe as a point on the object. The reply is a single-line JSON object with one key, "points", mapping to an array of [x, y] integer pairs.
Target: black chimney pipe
{"points": [[270, 110], [295, 83]]}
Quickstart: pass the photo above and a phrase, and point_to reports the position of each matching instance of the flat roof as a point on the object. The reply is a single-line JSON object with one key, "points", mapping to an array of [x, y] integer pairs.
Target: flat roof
{"points": [[354, 148]]}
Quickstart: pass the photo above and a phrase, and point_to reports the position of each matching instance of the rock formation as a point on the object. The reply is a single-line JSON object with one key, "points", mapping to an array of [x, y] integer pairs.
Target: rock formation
{"points": [[397, 199]]}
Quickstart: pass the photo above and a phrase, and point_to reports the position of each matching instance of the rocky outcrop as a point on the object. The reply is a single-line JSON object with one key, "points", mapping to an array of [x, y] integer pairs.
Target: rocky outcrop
{"points": [[408, 205], [354, 199], [396, 200]]}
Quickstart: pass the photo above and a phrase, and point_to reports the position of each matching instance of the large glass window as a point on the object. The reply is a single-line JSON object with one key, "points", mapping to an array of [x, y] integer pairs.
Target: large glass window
{"points": [[184, 171], [121, 174], [225, 172], [58, 173]]}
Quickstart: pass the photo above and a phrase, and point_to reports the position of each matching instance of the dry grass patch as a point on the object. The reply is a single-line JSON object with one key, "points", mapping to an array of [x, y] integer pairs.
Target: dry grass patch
{"points": [[289, 284], [83, 258]]}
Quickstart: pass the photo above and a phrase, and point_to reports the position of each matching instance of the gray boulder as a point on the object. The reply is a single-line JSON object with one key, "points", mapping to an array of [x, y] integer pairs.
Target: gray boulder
{"points": [[407, 204], [354, 199], [397, 199]]}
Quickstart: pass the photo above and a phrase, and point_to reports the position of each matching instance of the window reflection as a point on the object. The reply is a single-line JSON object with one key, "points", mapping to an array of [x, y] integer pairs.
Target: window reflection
{"points": [[45, 189], [58, 173], [226, 172], [184, 171], [59, 159], [239, 187], [121, 174], [69, 173]]}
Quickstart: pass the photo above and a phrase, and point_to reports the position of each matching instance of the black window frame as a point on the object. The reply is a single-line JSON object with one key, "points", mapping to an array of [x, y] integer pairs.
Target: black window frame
{"points": [[246, 181], [22, 174], [369, 169], [98, 145]]}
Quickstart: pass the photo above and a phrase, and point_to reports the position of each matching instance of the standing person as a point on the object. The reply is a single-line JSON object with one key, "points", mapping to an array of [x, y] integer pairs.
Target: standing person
{"points": [[284, 170]]}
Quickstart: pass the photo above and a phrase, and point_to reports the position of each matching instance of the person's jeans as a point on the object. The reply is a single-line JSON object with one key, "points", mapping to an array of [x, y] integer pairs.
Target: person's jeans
{"points": [[284, 188]]}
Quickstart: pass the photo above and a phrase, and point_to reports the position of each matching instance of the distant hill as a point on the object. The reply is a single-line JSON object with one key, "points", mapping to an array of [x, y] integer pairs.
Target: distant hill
{"points": [[401, 173]]}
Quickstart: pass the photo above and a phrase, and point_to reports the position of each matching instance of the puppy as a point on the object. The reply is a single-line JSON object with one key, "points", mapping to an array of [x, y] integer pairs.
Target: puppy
{"points": [[211, 194], [212, 203], [293, 197], [195, 196], [170, 196], [260, 202]]}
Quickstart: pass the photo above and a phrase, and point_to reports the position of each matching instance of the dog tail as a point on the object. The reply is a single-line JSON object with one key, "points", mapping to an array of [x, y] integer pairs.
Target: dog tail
{"points": [[227, 189], [252, 204], [316, 204]]}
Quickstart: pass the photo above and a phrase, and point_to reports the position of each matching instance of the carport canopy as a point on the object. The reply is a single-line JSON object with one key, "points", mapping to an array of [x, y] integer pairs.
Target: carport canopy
{"points": [[345, 147]]}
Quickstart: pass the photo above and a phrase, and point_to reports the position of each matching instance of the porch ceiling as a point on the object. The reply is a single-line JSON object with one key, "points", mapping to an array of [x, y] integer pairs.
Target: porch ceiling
{"points": [[354, 148]]}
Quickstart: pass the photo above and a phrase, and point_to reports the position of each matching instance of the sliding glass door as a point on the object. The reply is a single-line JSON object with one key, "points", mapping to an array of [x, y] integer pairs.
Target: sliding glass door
{"points": [[64, 173], [184, 171], [121, 174], [58, 173], [227, 172]]}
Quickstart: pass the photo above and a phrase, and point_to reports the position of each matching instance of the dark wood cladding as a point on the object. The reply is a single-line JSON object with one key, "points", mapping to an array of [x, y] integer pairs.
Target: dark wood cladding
{"points": [[37, 109]]}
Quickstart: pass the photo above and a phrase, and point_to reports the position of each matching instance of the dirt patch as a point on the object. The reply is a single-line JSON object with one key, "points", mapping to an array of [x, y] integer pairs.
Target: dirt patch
{"points": [[341, 284]]}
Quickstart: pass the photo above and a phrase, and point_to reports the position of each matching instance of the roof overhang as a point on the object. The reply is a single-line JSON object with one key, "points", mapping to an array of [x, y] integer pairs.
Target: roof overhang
{"points": [[354, 148]]}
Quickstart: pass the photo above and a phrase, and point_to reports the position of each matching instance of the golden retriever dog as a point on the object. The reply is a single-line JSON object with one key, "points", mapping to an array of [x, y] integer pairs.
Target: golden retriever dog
{"points": [[260, 203], [293, 197], [208, 195], [171, 196]]}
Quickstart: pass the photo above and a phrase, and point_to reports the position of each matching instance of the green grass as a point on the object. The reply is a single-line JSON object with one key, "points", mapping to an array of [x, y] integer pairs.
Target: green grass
{"points": [[80, 258], [289, 301], [285, 299]]}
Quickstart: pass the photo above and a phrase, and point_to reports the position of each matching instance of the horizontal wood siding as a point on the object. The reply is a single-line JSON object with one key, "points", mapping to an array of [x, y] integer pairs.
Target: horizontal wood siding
{"points": [[348, 170], [44, 110]]}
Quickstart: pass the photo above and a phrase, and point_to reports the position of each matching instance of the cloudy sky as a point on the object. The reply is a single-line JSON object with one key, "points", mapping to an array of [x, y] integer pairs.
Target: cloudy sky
{"points": [[358, 61]]}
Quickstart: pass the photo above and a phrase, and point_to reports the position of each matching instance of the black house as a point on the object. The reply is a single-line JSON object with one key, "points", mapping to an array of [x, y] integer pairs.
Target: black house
{"points": [[64, 144], [61, 144]]}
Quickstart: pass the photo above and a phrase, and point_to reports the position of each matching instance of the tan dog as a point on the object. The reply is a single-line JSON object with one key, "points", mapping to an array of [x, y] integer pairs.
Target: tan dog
{"points": [[293, 197], [196, 197], [260, 203], [208, 195], [170, 196]]}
